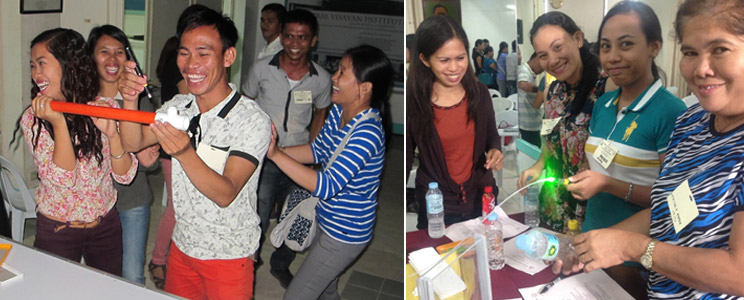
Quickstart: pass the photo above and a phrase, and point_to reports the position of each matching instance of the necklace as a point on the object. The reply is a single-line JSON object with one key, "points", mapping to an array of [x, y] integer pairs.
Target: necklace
{"points": [[723, 128]]}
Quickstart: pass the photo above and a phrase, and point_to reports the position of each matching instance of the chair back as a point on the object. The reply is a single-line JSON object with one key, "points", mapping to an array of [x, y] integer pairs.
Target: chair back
{"points": [[494, 93], [514, 99], [507, 119], [501, 104], [14, 189]]}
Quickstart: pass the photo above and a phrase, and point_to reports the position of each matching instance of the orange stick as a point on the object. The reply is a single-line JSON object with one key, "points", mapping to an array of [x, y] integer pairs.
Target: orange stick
{"points": [[104, 112]]}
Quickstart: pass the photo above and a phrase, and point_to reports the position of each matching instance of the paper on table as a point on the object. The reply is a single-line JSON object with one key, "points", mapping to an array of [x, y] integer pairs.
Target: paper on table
{"points": [[511, 227], [469, 228], [519, 260], [446, 283], [594, 285]]}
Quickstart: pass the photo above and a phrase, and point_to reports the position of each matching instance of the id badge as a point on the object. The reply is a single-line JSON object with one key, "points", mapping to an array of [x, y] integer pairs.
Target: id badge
{"points": [[605, 153], [215, 158], [682, 206], [303, 97], [548, 125]]}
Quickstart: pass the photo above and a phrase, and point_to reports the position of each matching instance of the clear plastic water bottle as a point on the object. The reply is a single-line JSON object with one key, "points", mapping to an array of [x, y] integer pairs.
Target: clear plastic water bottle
{"points": [[545, 246], [531, 204], [495, 237], [435, 211]]}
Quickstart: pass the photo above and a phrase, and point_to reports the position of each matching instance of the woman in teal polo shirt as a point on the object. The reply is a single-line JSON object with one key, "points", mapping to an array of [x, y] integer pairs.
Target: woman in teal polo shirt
{"points": [[630, 127]]}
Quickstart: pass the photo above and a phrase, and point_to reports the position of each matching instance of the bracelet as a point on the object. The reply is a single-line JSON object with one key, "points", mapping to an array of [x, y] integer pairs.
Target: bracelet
{"points": [[630, 191], [119, 156]]}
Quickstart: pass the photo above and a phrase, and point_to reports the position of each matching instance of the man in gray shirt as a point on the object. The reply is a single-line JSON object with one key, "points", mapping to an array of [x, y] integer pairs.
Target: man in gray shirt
{"points": [[295, 93], [513, 60]]}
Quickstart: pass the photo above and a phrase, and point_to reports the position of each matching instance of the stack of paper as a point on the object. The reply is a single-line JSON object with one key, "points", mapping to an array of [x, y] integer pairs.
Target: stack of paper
{"points": [[428, 263]]}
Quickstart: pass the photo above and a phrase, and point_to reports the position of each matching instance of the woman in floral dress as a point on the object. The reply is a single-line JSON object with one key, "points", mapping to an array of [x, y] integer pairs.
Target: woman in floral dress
{"points": [[560, 47]]}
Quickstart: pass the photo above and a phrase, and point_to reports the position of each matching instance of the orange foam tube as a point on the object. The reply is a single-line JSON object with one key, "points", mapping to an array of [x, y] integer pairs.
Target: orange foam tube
{"points": [[104, 112]]}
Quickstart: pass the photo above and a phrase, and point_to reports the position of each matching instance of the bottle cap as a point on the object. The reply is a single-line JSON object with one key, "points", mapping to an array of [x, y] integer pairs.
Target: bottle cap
{"points": [[433, 185], [489, 189], [523, 242], [573, 224]]}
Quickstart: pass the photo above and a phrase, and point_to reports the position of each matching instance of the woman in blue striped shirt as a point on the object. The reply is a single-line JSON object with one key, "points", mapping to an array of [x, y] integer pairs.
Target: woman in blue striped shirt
{"points": [[348, 187]]}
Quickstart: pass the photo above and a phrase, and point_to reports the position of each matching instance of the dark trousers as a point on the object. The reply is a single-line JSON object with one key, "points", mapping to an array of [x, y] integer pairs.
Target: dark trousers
{"points": [[533, 137], [100, 246], [273, 187]]}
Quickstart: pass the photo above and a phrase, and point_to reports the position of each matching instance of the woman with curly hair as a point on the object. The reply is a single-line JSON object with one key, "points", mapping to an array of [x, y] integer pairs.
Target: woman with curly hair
{"points": [[76, 156]]}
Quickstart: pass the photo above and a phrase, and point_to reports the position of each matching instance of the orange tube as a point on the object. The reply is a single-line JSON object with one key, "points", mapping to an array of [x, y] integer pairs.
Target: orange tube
{"points": [[104, 112]]}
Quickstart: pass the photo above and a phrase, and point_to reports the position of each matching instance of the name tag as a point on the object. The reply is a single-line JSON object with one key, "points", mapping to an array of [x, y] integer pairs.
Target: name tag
{"points": [[215, 158], [682, 207], [303, 97], [605, 153], [548, 125]]}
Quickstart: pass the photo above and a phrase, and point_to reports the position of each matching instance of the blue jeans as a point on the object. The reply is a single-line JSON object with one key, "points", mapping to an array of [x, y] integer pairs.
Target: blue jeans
{"points": [[134, 223]]}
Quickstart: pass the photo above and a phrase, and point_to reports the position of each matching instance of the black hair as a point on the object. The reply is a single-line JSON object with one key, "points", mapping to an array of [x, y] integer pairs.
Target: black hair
{"points": [[170, 48], [301, 16], [514, 46], [486, 41], [431, 35], [649, 25], [110, 30], [199, 15], [488, 49], [534, 54], [503, 45], [478, 42], [590, 62], [277, 8], [372, 65], [79, 84], [729, 14]]}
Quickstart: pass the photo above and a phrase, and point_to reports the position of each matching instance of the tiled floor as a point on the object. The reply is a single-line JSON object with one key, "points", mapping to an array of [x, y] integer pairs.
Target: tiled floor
{"points": [[382, 261]]}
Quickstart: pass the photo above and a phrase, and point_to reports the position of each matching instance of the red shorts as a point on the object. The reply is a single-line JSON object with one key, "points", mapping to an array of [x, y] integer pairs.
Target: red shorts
{"points": [[193, 278]]}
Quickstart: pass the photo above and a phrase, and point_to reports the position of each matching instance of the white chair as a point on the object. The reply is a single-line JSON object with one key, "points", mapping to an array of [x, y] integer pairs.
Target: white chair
{"points": [[501, 104], [18, 198], [690, 100], [514, 98], [508, 125], [672, 89], [494, 93]]}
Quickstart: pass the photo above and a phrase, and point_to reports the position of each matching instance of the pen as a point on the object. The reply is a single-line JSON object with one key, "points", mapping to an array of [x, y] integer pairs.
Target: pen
{"points": [[137, 69], [551, 284]]}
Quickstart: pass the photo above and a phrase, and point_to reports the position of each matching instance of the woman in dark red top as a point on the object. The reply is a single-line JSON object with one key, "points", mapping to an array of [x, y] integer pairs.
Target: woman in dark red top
{"points": [[450, 120]]}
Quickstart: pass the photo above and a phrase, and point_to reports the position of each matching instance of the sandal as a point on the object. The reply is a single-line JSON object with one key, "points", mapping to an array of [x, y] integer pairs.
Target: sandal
{"points": [[158, 280]]}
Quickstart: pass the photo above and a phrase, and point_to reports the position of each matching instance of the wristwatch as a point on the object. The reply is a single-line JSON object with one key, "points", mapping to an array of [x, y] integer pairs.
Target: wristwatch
{"points": [[647, 260]]}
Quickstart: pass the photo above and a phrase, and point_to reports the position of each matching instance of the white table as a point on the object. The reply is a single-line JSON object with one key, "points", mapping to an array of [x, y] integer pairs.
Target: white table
{"points": [[47, 276]]}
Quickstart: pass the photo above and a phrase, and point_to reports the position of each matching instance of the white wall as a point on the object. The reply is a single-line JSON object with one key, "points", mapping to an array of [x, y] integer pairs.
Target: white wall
{"points": [[587, 14], [82, 16], [495, 20], [15, 88]]}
